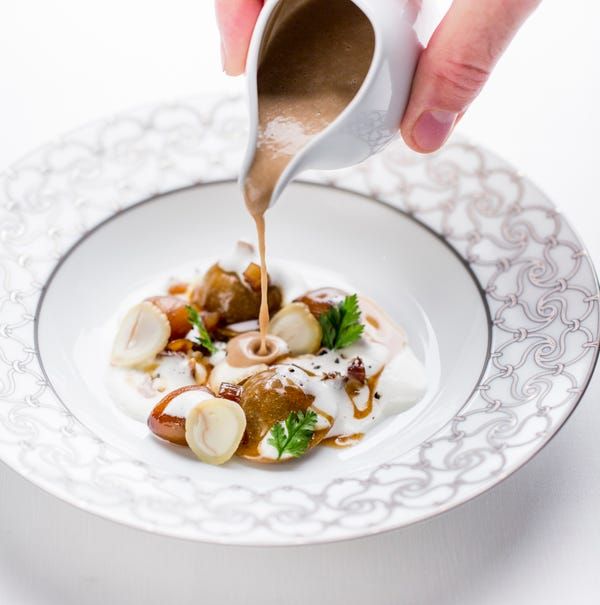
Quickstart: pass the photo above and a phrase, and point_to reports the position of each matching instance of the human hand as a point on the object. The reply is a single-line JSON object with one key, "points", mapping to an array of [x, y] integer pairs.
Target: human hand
{"points": [[451, 72]]}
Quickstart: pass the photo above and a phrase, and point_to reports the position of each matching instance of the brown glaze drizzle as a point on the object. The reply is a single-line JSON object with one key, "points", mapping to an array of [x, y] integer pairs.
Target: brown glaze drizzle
{"points": [[306, 371], [373, 321], [342, 441], [352, 391], [321, 434]]}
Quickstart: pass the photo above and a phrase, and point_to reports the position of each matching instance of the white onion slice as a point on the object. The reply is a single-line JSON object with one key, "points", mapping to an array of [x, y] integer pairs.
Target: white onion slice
{"points": [[214, 429], [143, 333]]}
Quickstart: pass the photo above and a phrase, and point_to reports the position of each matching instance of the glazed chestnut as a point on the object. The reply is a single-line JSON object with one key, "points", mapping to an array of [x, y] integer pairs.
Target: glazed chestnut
{"points": [[321, 300], [268, 398], [175, 310], [225, 293], [167, 419]]}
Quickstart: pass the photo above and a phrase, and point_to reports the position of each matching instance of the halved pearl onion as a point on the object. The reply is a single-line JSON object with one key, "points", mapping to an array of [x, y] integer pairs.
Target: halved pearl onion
{"points": [[298, 327], [144, 332], [214, 429]]}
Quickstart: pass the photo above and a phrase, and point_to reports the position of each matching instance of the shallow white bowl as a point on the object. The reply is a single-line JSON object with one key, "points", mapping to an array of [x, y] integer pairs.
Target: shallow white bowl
{"points": [[494, 289]]}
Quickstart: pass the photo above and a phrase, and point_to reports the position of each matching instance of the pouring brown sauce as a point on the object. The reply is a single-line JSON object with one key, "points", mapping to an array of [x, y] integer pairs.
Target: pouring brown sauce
{"points": [[314, 58]]}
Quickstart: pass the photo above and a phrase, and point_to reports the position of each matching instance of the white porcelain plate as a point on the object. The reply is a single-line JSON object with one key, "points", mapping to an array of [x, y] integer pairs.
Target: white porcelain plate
{"points": [[496, 293]]}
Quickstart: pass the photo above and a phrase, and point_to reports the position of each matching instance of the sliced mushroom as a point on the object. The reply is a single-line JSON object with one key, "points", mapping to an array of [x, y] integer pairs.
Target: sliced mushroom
{"points": [[214, 429], [298, 327], [144, 332]]}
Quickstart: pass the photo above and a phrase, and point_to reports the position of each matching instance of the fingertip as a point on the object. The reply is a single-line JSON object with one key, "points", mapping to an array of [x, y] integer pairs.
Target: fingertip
{"points": [[406, 134], [455, 66], [432, 129], [232, 68], [236, 19]]}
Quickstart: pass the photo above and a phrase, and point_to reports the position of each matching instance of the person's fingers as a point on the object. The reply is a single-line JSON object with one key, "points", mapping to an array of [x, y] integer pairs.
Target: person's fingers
{"points": [[236, 19], [456, 64]]}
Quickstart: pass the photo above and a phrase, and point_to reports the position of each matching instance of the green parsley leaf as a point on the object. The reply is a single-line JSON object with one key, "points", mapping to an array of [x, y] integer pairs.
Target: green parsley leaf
{"points": [[341, 324], [203, 338], [293, 436]]}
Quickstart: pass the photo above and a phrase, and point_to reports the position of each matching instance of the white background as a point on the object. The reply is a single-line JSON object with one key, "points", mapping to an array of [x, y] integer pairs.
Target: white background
{"points": [[533, 539]]}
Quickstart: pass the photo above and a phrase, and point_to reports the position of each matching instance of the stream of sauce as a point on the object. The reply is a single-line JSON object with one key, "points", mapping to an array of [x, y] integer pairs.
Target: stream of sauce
{"points": [[263, 316], [307, 76]]}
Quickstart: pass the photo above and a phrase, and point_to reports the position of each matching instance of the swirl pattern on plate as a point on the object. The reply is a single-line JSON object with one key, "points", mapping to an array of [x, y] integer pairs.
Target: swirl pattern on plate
{"points": [[539, 284]]}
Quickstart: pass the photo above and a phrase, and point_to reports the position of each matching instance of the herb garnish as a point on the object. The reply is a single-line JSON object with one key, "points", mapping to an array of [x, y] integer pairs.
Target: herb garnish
{"points": [[203, 338], [341, 324], [293, 436]]}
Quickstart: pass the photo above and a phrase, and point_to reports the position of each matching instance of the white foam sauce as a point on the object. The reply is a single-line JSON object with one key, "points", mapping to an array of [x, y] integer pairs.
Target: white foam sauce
{"points": [[182, 403], [224, 372], [401, 384], [220, 354], [292, 282], [136, 392], [243, 254], [132, 389], [244, 326]]}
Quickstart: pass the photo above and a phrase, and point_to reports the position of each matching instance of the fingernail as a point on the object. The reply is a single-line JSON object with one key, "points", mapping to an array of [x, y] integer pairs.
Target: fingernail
{"points": [[433, 128]]}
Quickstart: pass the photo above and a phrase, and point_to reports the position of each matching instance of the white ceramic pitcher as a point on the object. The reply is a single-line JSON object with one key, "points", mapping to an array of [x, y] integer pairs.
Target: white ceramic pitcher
{"points": [[372, 118]]}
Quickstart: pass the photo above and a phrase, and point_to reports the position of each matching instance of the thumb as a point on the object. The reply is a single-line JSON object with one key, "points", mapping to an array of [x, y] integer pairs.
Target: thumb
{"points": [[456, 64]]}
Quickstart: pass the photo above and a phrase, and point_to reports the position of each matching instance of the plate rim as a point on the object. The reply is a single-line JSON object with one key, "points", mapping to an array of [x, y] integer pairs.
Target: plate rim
{"points": [[360, 532]]}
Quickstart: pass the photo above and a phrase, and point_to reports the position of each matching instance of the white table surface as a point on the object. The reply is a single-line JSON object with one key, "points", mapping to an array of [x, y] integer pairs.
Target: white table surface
{"points": [[533, 539]]}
